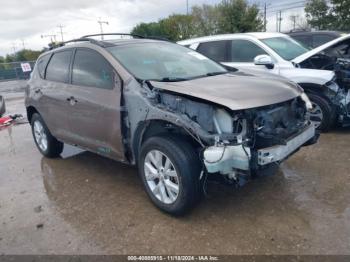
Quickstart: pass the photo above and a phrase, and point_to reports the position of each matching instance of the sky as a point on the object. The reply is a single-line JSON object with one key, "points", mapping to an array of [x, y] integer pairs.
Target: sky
{"points": [[29, 22]]}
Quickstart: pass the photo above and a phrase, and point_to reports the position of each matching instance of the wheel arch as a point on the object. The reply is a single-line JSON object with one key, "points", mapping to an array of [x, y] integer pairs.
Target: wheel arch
{"points": [[316, 89], [157, 127], [31, 110]]}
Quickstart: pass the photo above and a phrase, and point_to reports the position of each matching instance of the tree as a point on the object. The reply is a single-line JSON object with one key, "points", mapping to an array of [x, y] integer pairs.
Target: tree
{"points": [[205, 19], [341, 14], [148, 29], [174, 27], [229, 16], [237, 16], [318, 14], [177, 27]]}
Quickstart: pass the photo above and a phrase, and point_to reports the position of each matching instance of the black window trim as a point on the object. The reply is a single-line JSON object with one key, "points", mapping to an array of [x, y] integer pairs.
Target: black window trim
{"points": [[47, 63], [227, 49], [69, 67], [245, 39], [115, 73]]}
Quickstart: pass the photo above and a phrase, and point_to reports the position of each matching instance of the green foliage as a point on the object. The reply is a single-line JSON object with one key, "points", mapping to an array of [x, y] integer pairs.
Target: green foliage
{"points": [[333, 16], [205, 19], [229, 16], [148, 29], [237, 16], [341, 14], [22, 55], [318, 14]]}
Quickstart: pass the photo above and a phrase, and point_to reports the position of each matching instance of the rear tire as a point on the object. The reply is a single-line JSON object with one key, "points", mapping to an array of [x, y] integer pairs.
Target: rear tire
{"points": [[47, 144], [184, 166], [323, 109]]}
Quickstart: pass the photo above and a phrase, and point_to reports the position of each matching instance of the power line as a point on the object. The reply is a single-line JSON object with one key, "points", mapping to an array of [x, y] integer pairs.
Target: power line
{"points": [[284, 9], [281, 6], [52, 37]]}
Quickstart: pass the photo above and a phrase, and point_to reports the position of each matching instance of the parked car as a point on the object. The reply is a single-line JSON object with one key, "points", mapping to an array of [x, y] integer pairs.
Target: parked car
{"points": [[275, 53], [173, 112], [334, 55], [313, 39]]}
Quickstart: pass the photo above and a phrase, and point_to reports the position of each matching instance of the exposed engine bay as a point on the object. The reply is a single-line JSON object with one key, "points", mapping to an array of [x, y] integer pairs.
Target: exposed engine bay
{"points": [[248, 140]]}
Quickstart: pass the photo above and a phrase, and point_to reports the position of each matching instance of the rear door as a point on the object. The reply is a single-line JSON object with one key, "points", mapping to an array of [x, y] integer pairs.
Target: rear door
{"points": [[95, 104], [53, 93]]}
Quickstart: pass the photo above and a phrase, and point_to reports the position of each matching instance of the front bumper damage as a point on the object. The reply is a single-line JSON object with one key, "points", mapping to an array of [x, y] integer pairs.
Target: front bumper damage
{"points": [[233, 160]]}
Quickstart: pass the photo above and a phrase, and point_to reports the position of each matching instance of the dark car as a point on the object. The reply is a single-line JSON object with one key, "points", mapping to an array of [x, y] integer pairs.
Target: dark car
{"points": [[313, 39]]}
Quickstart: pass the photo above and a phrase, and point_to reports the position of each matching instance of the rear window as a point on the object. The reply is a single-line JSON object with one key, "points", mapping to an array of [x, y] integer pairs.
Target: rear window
{"points": [[58, 68]]}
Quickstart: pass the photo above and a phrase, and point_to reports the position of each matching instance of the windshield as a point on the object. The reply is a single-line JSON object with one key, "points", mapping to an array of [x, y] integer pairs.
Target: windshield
{"points": [[285, 47], [162, 61]]}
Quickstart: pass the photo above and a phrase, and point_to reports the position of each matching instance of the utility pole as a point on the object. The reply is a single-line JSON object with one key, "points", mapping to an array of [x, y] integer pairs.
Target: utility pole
{"points": [[61, 31], [187, 6], [14, 47], [294, 18], [276, 21], [265, 22], [23, 44], [52, 37], [280, 21], [101, 27]]}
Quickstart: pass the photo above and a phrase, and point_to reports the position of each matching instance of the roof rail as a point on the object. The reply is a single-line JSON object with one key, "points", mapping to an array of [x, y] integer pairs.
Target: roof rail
{"points": [[120, 34], [87, 38], [133, 35], [82, 39]]}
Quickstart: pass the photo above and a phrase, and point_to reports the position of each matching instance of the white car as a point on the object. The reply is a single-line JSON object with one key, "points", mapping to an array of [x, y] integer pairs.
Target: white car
{"points": [[274, 53]]}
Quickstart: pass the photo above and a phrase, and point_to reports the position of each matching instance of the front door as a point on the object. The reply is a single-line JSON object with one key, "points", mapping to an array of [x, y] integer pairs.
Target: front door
{"points": [[94, 100]]}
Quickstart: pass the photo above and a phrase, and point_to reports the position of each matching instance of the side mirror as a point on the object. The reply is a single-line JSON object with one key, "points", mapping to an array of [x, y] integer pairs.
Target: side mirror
{"points": [[265, 60]]}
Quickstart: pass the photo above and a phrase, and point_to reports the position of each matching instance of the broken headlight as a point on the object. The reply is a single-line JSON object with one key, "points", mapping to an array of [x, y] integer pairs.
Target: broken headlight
{"points": [[223, 121], [306, 100]]}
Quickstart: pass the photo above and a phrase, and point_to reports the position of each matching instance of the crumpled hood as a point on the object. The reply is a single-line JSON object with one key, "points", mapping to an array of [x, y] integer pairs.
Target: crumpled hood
{"points": [[238, 90], [316, 50]]}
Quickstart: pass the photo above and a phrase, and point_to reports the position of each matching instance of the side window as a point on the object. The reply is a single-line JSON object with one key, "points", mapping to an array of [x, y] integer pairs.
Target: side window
{"points": [[42, 62], [216, 50], [58, 68], [304, 40], [245, 51], [321, 39], [91, 69]]}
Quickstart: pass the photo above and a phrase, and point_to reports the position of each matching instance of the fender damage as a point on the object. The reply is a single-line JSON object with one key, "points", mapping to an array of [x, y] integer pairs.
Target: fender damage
{"points": [[234, 143]]}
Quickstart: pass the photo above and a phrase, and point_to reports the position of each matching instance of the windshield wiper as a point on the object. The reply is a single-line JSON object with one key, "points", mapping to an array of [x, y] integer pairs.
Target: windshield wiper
{"points": [[169, 79], [216, 73]]}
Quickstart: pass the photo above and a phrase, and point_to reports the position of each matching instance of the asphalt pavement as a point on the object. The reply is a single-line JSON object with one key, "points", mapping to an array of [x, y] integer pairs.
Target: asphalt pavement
{"points": [[85, 204]]}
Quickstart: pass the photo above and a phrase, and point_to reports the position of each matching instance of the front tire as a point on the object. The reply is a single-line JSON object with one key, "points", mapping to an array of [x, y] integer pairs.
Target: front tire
{"points": [[170, 169], [47, 144], [322, 114]]}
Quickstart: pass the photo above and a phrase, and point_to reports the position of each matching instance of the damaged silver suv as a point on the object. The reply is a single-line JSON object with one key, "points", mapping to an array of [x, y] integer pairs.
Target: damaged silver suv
{"points": [[177, 115]]}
